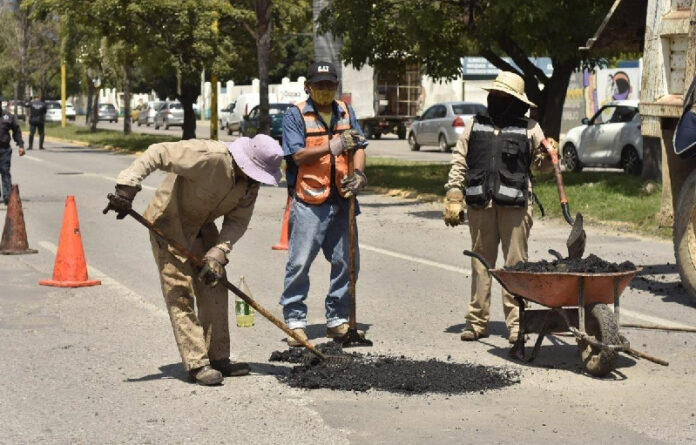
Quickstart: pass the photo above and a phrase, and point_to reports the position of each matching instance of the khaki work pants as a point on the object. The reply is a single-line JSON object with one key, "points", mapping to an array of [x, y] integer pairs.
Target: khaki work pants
{"points": [[509, 226], [199, 338]]}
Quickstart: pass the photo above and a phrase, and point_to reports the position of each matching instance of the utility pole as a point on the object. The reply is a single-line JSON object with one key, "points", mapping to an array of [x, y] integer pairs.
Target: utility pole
{"points": [[214, 94], [63, 74]]}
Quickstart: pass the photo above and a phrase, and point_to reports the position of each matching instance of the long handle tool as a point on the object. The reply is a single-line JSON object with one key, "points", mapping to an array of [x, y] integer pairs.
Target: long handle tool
{"points": [[577, 238], [353, 337], [260, 309]]}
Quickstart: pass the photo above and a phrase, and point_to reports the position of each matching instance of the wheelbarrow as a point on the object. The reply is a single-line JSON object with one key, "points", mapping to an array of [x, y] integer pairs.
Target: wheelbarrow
{"points": [[577, 303]]}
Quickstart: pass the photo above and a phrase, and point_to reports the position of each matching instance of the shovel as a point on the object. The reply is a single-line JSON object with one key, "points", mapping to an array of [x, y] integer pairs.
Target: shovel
{"points": [[577, 238], [353, 337], [197, 262]]}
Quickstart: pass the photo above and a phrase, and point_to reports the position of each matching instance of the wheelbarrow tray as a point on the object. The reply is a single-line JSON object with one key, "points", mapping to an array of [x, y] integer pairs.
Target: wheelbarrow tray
{"points": [[558, 289]]}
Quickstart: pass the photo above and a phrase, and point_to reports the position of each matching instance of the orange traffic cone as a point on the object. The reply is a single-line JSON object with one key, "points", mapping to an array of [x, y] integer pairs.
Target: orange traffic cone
{"points": [[14, 235], [284, 230], [70, 269]]}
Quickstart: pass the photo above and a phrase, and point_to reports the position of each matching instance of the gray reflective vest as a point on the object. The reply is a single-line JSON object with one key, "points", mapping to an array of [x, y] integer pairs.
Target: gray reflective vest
{"points": [[498, 164]]}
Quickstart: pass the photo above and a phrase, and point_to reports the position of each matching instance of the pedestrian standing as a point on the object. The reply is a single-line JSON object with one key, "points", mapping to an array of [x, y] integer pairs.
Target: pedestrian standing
{"points": [[37, 119], [8, 124], [317, 135], [490, 178], [207, 180]]}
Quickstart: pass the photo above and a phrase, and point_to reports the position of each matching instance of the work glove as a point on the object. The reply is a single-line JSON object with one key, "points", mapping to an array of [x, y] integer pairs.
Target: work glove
{"points": [[354, 183], [454, 207], [122, 200], [347, 140], [214, 266]]}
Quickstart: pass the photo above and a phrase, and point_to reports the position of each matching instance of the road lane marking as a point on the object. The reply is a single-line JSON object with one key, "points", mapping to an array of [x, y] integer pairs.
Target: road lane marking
{"points": [[402, 256], [113, 179], [32, 158], [109, 282], [652, 319]]}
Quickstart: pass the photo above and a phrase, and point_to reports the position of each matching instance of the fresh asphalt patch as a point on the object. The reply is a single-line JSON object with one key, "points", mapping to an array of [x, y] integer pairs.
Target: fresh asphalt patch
{"points": [[392, 374]]}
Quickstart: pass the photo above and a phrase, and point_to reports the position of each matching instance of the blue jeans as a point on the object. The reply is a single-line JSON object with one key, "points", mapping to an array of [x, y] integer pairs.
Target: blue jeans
{"points": [[5, 158], [314, 227]]}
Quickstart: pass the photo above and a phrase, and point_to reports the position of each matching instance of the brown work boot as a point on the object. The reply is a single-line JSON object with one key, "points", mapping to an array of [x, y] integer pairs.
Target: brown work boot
{"points": [[230, 369], [340, 331], [301, 333], [205, 375], [471, 335]]}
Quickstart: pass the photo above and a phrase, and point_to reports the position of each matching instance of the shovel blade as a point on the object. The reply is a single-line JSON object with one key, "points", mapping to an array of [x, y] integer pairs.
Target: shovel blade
{"points": [[352, 339], [577, 239]]}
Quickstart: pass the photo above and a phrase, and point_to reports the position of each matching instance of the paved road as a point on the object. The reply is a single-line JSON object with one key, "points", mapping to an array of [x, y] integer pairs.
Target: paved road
{"points": [[99, 364], [389, 146]]}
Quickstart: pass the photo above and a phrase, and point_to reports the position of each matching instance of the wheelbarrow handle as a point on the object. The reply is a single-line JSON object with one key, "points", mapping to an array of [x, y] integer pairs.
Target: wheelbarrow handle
{"points": [[479, 257], [488, 268]]}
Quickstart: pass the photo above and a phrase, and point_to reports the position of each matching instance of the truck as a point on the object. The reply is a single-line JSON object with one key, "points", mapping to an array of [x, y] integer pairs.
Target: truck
{"points": [[384, 102], [665, 32]]}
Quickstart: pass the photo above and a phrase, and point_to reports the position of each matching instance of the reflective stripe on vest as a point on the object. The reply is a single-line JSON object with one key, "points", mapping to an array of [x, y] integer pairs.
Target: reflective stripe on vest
{"points": [[314, 180]]}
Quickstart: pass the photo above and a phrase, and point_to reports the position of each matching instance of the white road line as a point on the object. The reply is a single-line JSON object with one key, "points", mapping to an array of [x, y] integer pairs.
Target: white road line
{"points": [[113, 179], [402, 256], [120, 290], [32, 158], [652, 319]]}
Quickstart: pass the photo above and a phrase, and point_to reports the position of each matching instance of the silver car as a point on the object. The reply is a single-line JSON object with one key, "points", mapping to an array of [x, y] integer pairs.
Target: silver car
{"points": [[146, 116], [169, 114], [611, 138], [442, 124], [107, 112]]}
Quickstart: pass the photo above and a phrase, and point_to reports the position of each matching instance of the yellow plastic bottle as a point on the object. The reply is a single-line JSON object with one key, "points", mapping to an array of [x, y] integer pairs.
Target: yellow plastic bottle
{"points": [[244, 313]]}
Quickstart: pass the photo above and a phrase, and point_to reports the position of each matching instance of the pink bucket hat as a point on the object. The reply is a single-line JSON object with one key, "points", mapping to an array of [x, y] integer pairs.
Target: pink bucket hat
{"points": [[259, 158]]}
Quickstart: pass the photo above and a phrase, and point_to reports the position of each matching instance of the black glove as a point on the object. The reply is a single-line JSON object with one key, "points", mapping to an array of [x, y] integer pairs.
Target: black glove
{"points": [[354, 183], [214, 268], [122, 200]]}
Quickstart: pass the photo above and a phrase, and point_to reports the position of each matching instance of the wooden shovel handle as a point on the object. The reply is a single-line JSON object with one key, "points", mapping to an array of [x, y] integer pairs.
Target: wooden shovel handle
{"points": [[553, 154], [352, 320]]}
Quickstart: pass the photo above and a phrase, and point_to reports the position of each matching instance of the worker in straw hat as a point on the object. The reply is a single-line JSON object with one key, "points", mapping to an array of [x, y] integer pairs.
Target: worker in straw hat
{"points": [[207, 180], [490, 178]]}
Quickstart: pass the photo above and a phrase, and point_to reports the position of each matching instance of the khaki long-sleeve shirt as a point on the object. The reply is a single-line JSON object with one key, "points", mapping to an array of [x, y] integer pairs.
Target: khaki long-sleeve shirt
{"points": [[457, 173], [200, 188]]}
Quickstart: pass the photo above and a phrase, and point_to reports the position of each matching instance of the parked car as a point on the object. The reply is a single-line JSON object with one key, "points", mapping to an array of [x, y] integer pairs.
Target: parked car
{"points": [[611, 138], [169, 114], [224, 115], [243, 105], [251, 122], [442, 124], [70, 112], [146, 116], [53, 111], [107, 112]]}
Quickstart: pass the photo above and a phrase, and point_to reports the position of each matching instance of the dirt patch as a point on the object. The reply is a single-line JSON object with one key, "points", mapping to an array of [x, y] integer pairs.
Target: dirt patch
{"points": [[392, 374], [590, 264]]}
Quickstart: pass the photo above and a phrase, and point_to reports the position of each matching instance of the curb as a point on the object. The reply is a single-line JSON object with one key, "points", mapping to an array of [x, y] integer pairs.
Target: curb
{"points": [[88, 145]]}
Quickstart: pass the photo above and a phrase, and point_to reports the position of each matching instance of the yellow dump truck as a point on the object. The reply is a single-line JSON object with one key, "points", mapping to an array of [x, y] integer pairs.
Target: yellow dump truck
{"points": [[665, 32]]}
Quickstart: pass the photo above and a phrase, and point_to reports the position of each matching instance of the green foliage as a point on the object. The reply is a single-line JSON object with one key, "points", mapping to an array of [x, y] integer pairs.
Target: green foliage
{"points": [[611, 198]]}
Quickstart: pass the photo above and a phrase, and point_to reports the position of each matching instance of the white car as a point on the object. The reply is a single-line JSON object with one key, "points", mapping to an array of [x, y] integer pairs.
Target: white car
{"points": [[611, 138], [70, 112], [54, 113]]}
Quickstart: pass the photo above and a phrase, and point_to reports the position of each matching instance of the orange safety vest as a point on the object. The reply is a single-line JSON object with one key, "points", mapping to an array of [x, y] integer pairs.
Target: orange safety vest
{"points": [[314, 180]]}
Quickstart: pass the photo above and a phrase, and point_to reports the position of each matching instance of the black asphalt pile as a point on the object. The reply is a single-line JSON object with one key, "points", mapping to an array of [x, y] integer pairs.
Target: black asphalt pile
{"points": [[590, 264], [392, 374]]}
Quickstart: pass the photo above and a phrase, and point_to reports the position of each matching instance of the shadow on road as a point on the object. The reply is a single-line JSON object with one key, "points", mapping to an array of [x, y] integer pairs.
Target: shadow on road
{"points": [[171, 371], [494, 328], [318, 331], [560, 354], [653, 280]]}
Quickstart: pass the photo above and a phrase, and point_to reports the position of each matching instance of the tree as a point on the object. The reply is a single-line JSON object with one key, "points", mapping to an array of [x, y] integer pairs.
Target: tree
{"points": [[437, 34]]}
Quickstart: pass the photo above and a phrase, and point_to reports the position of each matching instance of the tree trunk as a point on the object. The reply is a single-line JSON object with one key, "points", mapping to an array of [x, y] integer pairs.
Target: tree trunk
{"points": [[189, 93], [90, 95], [95, 111], [553, 98], [126, 97], [263, 52]]}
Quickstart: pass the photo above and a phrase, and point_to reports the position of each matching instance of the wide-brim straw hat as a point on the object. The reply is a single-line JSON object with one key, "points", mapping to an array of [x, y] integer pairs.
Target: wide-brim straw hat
{"points": [[512, 84], [259, 158]]}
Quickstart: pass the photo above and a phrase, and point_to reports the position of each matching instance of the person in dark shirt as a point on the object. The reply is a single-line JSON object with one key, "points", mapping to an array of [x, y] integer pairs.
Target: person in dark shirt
{"points": [[37, 118], [8, 123]]}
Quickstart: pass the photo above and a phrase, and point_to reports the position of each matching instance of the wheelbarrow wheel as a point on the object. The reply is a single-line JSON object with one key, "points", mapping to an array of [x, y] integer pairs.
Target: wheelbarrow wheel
{"points": [[600, 323]]}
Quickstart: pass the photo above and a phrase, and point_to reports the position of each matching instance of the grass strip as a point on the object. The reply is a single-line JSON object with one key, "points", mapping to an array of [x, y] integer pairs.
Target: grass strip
{"points": [[102, 138], [611, 198]]}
